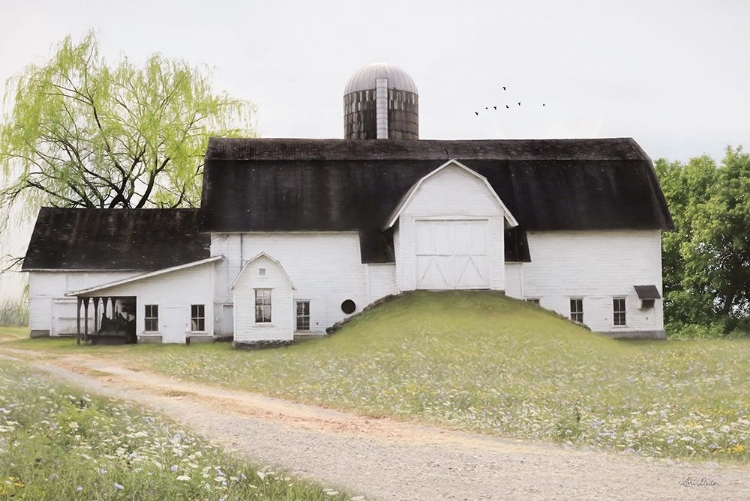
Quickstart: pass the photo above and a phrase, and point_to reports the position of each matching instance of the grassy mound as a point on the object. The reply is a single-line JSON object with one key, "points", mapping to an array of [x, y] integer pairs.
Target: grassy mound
{"points": [[483, 362]]}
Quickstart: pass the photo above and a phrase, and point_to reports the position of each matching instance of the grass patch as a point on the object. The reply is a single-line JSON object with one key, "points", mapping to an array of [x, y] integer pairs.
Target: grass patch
{"points": [[482, 362], [56, 443], [8, 333]]}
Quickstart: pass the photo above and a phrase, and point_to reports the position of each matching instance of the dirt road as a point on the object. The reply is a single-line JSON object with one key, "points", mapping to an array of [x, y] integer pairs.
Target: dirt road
{"points": [[388, 460]]}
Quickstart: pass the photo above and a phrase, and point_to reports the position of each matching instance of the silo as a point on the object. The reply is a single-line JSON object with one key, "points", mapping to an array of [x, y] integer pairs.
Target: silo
{"points": [[381, 102]]}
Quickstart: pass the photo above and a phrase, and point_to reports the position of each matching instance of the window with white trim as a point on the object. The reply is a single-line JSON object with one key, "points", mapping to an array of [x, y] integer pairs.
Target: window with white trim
{"points": [[151, 318], [303, 315], [576, 310], [262, 306], [197, 317], [534, 300], [619, 313]]}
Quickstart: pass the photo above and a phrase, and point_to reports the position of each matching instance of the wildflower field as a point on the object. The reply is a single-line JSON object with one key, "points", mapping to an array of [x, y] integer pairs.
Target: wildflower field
{"points": [[57, 443], [482, 362]]}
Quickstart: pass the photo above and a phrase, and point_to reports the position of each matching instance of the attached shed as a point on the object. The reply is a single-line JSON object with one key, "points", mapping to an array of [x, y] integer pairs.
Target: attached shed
{"points": [[74, 249], [171, 305]]}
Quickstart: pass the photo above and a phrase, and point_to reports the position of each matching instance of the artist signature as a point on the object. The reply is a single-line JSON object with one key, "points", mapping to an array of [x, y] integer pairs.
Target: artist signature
{"points": [[703, 482]]}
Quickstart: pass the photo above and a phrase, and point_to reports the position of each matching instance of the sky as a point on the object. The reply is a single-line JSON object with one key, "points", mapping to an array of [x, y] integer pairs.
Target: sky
{"points": [[674, 75]]}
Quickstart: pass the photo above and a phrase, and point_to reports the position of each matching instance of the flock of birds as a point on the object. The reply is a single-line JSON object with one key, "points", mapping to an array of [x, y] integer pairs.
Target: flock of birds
{"points": [[507, 106]]}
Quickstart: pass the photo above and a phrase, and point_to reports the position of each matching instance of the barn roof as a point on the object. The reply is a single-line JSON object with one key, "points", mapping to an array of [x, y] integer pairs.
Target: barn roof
{"points": [[115, 239], [345, 185]]}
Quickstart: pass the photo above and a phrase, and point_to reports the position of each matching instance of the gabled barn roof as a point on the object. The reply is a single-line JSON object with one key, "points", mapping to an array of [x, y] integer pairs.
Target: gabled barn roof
{"points": [[115, 239], [345, 185]]}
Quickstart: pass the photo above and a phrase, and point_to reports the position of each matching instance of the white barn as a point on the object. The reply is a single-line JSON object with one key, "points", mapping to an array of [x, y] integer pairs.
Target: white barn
{"points": [[295, 235]]}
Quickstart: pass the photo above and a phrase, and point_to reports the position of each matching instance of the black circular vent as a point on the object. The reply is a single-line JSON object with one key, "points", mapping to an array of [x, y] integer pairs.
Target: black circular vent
{"points": [[348, 306]]}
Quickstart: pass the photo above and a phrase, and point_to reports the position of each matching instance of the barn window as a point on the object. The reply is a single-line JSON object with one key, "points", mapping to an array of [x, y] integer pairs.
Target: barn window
{"points": [[262, 306], [576, 310], [534, 300], [152, 318], [303, 315], [197, 318], [618, 310], [261, 272]]}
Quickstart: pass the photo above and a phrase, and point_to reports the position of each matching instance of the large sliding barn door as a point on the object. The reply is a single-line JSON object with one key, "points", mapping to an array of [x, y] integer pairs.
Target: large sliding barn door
{"points": [[452, 254]]}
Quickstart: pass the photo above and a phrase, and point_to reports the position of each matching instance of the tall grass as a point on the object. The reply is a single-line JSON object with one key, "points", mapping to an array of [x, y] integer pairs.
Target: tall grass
{"points": [[59, 444], [14, 312]]}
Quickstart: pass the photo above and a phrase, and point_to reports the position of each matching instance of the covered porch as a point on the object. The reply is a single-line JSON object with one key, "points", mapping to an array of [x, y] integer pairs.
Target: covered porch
{"points": [[114, 319]]}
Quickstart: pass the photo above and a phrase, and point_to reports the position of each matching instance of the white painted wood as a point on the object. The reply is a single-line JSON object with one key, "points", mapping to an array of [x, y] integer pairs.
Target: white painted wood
{"points": [[325, 267], [227, 320], [174, 324], [595, 266], [47, 287], [452, 254], [175, 290], [467, 252], [454, 166], [381, 281], [281, 327], [514, 280]]}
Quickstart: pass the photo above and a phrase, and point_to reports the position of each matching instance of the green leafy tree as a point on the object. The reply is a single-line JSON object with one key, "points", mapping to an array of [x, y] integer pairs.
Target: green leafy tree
{"points": [[707, 258], [82, 133]]}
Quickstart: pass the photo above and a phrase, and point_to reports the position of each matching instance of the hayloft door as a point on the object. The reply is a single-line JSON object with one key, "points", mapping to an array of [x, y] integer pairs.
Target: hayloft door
{"points": [[452, 254]]}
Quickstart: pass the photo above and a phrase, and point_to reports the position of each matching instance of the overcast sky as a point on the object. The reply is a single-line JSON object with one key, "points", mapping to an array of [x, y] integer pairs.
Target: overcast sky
{"points": [[674, 75]]}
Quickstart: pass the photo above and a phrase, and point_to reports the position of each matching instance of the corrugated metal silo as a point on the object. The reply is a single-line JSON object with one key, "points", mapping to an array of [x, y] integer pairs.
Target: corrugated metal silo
{"points": [[381, 101]]}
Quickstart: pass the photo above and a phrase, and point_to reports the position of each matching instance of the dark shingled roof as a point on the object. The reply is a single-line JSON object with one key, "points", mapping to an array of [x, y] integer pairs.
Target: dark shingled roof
{"points": [[115, 239], [345, 185]]}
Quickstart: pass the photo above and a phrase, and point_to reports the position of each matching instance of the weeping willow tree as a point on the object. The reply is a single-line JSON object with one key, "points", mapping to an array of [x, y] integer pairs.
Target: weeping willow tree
{"points": [[81, 133]]}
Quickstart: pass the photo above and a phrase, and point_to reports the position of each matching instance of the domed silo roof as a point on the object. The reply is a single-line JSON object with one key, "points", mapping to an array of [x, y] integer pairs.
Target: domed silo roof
{"points": [[381, 101], [365, 78]]}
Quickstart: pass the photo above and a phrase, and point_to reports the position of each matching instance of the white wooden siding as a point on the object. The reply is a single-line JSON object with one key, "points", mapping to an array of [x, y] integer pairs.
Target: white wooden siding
{"points": [[596, 266], [514, 280], [325, 267], [381, 281], [176, 292], [451, 194], [48, 288], [281, 327]]}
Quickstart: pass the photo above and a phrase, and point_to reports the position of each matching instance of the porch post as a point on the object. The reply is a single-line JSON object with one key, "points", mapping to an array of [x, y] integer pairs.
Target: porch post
{"points": [[86, 319], [78, 321], [96, 314]]}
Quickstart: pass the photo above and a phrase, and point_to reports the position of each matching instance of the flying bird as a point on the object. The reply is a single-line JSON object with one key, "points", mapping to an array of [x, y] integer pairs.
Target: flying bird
{"points": [[507, 106], [476, 113], [505, 88], [519, 103], [495, 107]]}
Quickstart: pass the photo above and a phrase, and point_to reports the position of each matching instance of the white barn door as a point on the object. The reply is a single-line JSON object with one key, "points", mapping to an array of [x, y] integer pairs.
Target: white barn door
{"points": [[452, 254]]}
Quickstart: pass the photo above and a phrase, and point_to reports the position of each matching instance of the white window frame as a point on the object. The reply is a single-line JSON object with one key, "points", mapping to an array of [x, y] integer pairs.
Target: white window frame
{"points": [[574, 315], [297, 315], [535, 300], [152, 317], [623, 312], [262, 305], [198, 317]]}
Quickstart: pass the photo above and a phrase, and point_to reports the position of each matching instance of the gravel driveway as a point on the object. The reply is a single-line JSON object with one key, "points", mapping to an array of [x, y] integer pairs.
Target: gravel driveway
{"points": [[390, 460]]}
